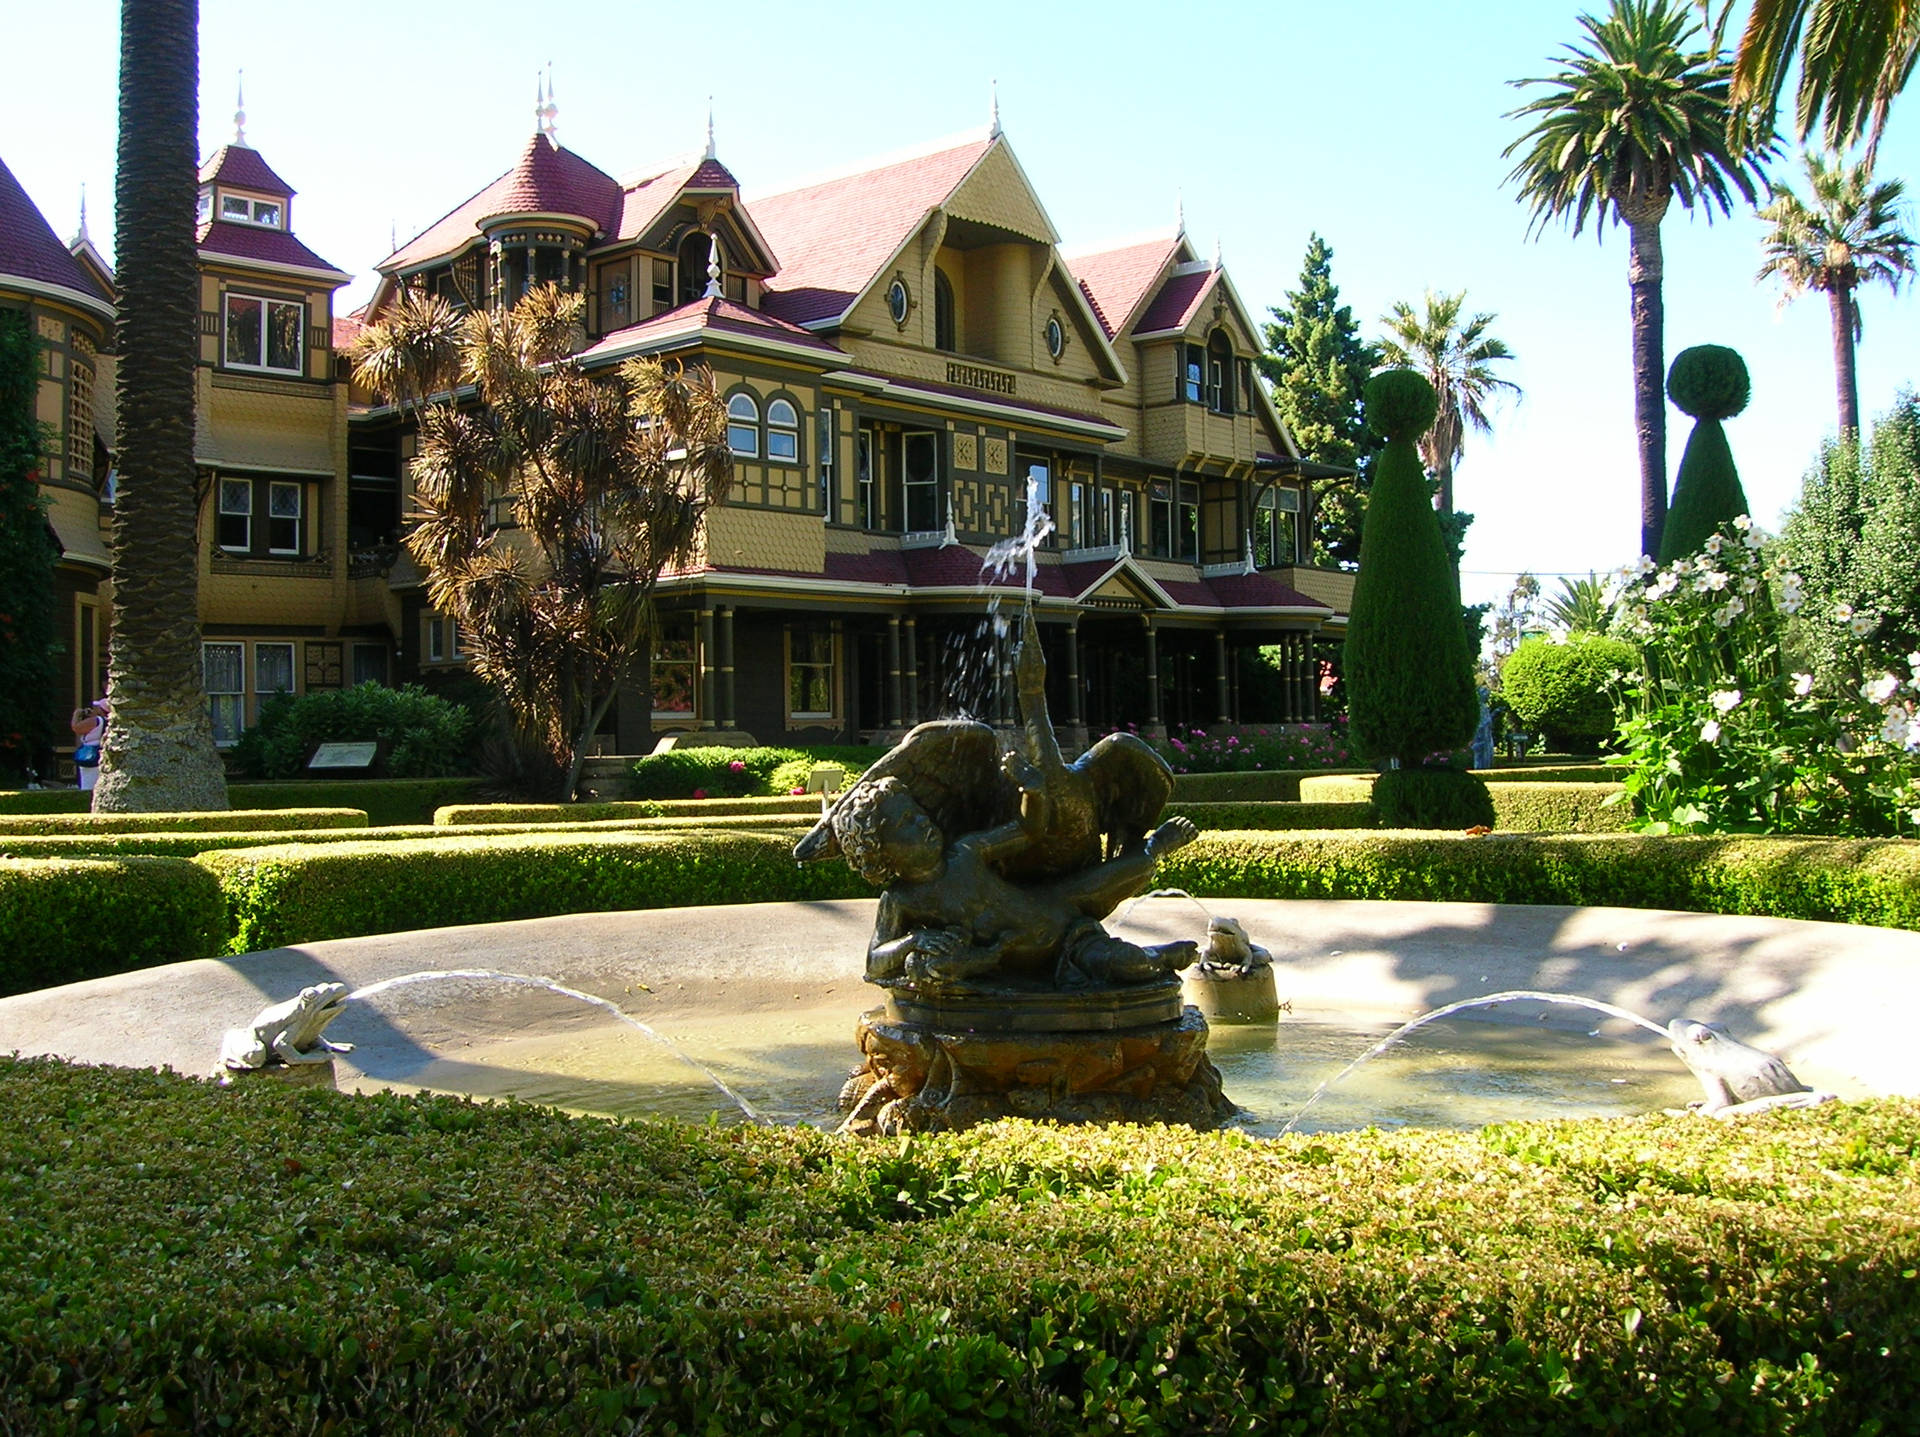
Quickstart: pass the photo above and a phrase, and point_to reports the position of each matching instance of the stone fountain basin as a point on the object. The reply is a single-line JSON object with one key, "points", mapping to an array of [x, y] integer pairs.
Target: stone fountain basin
{"points": [[1836, 1001]]}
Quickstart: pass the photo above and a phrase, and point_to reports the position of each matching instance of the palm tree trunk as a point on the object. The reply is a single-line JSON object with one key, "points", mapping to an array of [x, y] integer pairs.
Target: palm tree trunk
{"points": [[1648, 310], [1840, 301], [159, 752]]}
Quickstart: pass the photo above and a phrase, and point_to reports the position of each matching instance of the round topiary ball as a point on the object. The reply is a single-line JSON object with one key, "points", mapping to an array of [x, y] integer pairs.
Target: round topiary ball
{"points": [[1400, 404], [1709, 381]]}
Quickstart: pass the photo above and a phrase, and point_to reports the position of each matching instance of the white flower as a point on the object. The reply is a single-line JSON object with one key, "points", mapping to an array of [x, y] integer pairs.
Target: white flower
{"points": [[1861, 625], [1802, 685], [1895, 727], [1643, 568], [1742, 522], [1729, 611], [1880, 690], [1727, 700], [1749, 584], [1753, 540], [1843, 612], [1661, 587], [1711, 581], [1913, 663], [1714, 544], [1710, 731], [1790, 599]]}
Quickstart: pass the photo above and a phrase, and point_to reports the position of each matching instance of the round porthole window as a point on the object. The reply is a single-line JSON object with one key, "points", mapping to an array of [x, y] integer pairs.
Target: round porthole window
{"points": [[897, 301], [1056, 337]]}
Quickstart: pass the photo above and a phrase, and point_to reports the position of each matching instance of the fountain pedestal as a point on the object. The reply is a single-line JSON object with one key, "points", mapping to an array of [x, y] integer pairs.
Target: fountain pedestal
{"points": [[1124, 1055]]}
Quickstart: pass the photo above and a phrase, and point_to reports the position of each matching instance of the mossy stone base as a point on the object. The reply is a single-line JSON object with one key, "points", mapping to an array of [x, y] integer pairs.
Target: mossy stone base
{"points": [[919, 1078]]}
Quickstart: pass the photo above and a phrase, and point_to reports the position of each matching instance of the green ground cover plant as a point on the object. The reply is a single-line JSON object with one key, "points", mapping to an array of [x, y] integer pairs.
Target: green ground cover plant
{"points": [[179, 1258]]}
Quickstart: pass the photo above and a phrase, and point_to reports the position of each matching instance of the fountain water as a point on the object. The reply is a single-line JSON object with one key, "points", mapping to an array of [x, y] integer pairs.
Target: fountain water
{"points": [[1487, 1001]]}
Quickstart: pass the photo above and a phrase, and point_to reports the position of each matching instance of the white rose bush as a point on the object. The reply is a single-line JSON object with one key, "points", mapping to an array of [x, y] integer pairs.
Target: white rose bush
{"points": [[1720, 731]]}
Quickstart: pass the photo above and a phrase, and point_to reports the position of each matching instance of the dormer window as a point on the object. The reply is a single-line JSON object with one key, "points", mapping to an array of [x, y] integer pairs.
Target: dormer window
{"points": [[205, 212], [238, 209]]}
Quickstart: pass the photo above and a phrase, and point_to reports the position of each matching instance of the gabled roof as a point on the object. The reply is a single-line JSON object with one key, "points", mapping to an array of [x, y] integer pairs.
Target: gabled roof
{"points": [[1116, 280], [256, 245], [545, 180], [834, 238], [242, 167], [1177, 301], [31, 253], [716, 320]]}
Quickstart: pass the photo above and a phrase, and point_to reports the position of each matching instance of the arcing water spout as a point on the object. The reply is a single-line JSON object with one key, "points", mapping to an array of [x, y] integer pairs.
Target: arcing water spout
{"points": [[1488, 1001], [374, 990]]}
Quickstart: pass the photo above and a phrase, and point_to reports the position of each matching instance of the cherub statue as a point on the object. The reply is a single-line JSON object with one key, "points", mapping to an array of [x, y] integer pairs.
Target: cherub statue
{"points": [[948, 916], [1098, 806]]}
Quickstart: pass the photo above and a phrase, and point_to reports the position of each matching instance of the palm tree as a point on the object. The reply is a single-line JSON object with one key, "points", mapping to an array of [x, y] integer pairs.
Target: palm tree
{"points": [[1634, 120], [1848, 235], [1457, 358], [1855, 56], [159, 751]]}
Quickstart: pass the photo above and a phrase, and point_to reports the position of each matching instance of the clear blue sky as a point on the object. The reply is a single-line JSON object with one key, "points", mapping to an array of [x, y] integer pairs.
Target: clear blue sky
{"points": [[1378, 125]]}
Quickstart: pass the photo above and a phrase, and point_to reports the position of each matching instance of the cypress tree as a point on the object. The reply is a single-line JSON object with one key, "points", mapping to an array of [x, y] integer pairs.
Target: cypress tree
{"points": [[1410, 688], [27, 558], [1317, 365], [1709, 382]]}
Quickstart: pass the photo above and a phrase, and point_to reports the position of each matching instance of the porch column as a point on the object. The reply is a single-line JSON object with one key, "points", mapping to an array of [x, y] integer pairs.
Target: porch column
{"points": [[913, 672], [1154, 725], [1223, 699], [1313, 679], [893, 671], [1075, 699], [707, 694], [729, 719]]}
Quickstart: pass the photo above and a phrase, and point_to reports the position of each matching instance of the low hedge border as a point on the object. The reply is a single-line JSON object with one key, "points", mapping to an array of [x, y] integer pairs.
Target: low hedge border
{"points": [[62, 920], [386, 801], [1520, 805], [1552, 773], [301, 893], [1275, 785], [450, 1266], [236, 820], [459, 815], [1837, 880], [1210, 816]]}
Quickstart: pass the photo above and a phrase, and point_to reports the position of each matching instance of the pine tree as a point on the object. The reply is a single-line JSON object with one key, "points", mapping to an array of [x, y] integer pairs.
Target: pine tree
{"points": [[27, 558], [1317, 364]]}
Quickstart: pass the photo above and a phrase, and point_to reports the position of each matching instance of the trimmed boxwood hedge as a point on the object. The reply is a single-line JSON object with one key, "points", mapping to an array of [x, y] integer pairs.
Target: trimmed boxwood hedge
{"points": [[458, 815], [62, 920], [300, 893], [1265, 786], [1840, 880], [386, 801], [225, 821], [179, 1258], [1209, 816], [1520, 805], [1552, 773]]}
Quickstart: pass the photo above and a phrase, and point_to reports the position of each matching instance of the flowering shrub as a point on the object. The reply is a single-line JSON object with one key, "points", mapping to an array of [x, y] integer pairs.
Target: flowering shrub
{"points": [[1720, 733], [1259, 750]]}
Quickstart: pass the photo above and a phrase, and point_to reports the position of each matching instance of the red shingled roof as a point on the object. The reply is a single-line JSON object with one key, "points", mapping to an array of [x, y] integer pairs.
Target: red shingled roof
{"points": [[29, 249], [833, 237], [545, 180], [346, 329], [256, 242], [1177, 302], [242, 166], [1115, 280], [715, 315], [712, 175]]}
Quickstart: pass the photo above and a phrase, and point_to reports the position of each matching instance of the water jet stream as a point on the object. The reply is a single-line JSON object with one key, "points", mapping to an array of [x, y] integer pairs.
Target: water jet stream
{"points": [[1488, 1001], [406, 980]]}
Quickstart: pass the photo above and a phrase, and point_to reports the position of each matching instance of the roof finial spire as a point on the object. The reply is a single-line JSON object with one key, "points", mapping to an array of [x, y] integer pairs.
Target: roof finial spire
{"points": [[711, 154], [550, 112], [993, 129], [1216, 251], [240, 109], [82, 237], [713, 266], [1180, 211]]}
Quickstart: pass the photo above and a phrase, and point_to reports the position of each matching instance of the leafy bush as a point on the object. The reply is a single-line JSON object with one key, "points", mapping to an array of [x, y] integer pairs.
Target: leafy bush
{"points": [[1563, 689], [62, 920], [304, 892], [1310, 747], [237, 820], [1718, 733], [1432, 797], [426, 737], [466, 1267], [740, 772]]}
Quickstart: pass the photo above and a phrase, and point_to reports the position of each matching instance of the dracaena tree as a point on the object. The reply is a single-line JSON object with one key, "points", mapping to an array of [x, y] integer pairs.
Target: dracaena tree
{"points": [[549, 501], [1636, 118]]}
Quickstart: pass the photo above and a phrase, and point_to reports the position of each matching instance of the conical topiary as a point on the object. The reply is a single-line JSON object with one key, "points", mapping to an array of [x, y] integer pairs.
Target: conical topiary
{"points": [[1709, 382], [1410, 692]]}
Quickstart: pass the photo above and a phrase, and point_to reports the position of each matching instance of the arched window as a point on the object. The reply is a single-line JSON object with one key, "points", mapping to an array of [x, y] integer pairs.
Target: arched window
{"points": [[945, 335], [694, 252], [743, 426], [783, 431]]}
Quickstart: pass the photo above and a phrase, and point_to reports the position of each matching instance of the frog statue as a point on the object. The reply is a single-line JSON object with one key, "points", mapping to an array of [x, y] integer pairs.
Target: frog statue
{"points": [[288, 1034], [1738, 1079]]}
